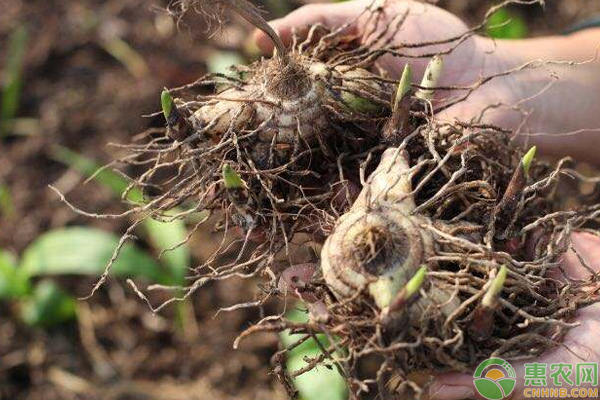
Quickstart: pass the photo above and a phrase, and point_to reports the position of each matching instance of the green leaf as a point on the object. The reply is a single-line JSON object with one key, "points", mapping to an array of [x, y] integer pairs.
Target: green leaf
{"points": [[231, 178], [88, 167], [13, 283], [287, 339], [127, 55], [321, 382], [165, 235], [87, 251], [489, 389], [48, 306], [506, 25], [279, 8], [167, 104], [11, 90], [7, 259], [221, 62]]}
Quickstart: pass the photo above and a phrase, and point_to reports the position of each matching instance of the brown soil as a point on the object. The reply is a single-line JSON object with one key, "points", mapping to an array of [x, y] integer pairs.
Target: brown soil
{"points": [[83, 98]]}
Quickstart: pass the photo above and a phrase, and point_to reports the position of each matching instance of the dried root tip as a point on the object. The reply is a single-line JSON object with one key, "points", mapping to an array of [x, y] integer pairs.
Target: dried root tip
{"points": [[231, 179], [490, 299], [432, 75], [527, 160]]}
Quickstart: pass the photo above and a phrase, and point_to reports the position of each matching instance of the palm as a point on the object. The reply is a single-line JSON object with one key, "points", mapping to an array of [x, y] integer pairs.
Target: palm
{"points": [[578, 346], [463, 66], [415, 29]]}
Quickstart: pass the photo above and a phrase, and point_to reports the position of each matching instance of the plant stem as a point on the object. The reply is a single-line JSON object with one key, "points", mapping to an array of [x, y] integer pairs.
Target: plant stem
{"points": [[250, 13]]}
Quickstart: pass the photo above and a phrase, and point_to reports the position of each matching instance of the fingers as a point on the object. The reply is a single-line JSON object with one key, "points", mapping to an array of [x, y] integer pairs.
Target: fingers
{"points": [[578, 346], [330, 15], [453, 386], [484, 106], [587, 250]]}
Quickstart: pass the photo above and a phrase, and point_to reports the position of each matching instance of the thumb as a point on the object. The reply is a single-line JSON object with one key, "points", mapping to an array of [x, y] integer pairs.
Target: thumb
{"points": [[452, 386], [302, 19]]}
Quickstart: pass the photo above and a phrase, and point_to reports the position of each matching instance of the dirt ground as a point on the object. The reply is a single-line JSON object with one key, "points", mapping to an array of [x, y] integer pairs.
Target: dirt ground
{"points": [[80, 96]]}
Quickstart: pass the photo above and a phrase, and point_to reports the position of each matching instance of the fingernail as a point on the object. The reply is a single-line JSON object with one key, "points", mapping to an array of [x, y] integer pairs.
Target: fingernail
{"points": [[449, 392]]}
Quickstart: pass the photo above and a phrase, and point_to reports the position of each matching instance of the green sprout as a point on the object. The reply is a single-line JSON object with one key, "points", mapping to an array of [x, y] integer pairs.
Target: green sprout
{"points": [[414, 285], [491, 296], [231, 178], [527, 159], [432, 75], [167, 104], [404, 85]]}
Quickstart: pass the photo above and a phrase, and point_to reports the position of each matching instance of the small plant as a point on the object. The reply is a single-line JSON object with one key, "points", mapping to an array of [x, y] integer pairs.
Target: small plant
{"points": [[44, 303]]}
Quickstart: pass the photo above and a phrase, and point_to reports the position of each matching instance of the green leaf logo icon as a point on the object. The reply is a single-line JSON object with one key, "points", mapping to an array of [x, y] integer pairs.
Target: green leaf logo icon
{"points": [[499, 380]]}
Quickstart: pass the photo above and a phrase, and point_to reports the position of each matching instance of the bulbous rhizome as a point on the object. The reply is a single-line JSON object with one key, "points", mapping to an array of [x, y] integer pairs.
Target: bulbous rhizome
{"points": [[291, 131]]}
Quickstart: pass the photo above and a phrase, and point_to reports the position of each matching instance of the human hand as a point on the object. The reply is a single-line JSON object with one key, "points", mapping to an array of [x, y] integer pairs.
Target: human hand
{"points": [[459, 66], [548, 100], [538, 103], [580, 345]]}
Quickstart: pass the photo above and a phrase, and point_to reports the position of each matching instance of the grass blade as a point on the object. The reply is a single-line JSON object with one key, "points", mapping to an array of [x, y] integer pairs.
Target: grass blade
{"points": [[11, 90]]}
